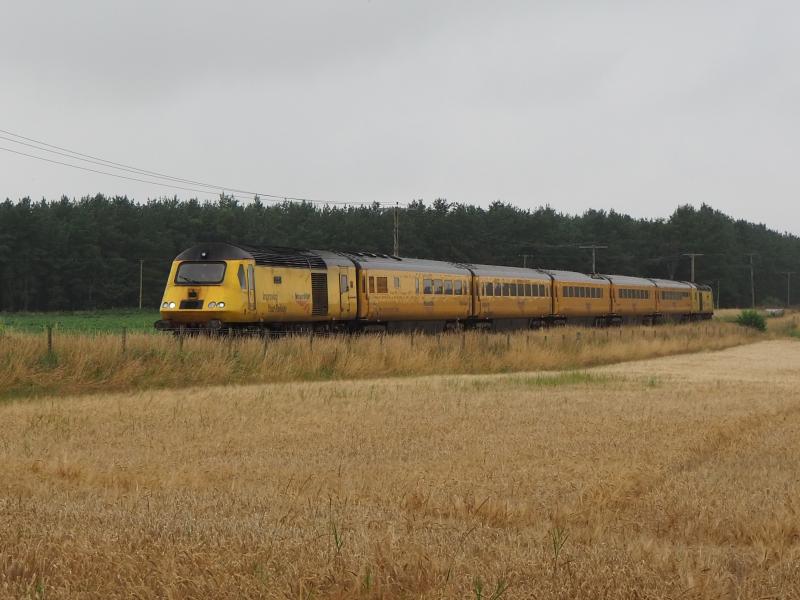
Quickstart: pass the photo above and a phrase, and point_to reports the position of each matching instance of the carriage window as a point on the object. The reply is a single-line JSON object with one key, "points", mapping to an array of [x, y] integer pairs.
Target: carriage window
{"points": [[438, 286], [459, 288], [416, 285], [277, 279], [371, 285], [397, 283], [489, 289], [448, 288], [498, 289], [512, 289], [382, 285], [427, 286], [527, 289], [600, 293], [506, 289]]}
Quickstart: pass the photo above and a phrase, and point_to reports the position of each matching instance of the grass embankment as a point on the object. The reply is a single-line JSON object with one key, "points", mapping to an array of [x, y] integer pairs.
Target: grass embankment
{"points": [[92, 363], [677, 480], [83, 322]]}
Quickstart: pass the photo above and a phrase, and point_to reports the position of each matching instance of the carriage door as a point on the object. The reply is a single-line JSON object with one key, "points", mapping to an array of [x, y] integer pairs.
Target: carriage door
{"points": [[344, 291], [251, 288]]}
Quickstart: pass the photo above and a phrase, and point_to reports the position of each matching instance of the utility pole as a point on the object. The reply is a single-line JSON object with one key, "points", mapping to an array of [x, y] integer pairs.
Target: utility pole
{"points": [[525, 259], [692, 255], [594, 248], [141, 269], [788, 286], [396, 229], [752, 281]]}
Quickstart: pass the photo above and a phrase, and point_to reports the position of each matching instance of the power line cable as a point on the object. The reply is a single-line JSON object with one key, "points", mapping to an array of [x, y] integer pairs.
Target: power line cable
{"points": [[66, 152], [58, 162]]}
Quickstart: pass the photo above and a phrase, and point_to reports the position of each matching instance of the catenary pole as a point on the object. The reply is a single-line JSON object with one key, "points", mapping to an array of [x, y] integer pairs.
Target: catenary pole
{"points": [[788, 287], [594, 248], [752, 281], [141, 279], [692, 256], [396, 245]]}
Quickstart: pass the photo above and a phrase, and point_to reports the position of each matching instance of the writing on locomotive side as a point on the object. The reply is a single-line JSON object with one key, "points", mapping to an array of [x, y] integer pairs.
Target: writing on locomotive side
{"points": [[219, 286]]}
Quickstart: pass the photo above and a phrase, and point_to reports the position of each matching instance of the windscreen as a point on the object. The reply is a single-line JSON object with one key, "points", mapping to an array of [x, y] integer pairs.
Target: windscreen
{"points": [[200, 273]]}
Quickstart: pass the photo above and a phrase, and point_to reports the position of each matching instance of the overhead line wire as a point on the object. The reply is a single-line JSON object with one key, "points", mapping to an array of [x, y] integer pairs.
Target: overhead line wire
{"points": [[66, 152]]}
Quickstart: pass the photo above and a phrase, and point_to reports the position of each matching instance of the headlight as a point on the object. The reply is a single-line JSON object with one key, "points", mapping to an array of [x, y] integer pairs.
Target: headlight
{"points": [[220, 305], [164, 305], [172, 305], [212, 305]]}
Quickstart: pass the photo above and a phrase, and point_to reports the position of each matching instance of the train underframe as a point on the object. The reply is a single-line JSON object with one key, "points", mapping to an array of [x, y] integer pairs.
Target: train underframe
{"points": [[215, 326]]}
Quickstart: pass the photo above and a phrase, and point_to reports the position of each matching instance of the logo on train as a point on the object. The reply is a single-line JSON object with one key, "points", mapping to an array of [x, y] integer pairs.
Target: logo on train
{"points": [[302, 299]]}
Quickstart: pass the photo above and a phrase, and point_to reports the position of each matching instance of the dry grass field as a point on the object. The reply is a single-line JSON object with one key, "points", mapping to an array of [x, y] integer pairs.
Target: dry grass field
{"points": [[103, 362], [673, 477]]}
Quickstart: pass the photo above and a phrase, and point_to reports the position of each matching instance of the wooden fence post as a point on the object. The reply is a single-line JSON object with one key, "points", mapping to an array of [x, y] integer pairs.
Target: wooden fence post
{"points": [[49, 339], [124, 339]]}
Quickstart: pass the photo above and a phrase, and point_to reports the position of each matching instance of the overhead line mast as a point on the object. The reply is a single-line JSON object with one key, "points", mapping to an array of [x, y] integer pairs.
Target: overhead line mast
{"points": [[692, 256], [594, 248], [788, 286]]}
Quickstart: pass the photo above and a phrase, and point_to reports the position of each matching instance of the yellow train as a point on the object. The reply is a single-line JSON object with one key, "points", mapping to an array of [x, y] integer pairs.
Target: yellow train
{"points": [[220, 287]]}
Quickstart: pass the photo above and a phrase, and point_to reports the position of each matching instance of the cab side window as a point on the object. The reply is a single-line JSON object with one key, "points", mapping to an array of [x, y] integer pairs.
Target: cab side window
{"points": [[242, 280], [342, 284]]}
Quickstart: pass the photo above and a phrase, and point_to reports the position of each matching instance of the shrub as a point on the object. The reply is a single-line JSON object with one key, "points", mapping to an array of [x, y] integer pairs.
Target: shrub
{"points": [[752, 318]]}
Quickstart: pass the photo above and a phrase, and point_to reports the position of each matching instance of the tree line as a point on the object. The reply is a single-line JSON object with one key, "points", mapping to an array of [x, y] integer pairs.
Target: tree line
{"points": [[85, 254]]}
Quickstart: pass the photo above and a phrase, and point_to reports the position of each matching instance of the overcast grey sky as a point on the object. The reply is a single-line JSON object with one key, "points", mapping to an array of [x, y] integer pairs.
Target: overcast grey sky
{"points": [[635, 106]]}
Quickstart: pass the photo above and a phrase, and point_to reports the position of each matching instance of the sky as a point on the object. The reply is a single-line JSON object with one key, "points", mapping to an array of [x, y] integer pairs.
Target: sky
{"points": [[633, 106]]}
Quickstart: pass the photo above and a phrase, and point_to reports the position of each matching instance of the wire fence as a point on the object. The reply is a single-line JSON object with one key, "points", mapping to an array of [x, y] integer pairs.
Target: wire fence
{"points": [[50, 333]]}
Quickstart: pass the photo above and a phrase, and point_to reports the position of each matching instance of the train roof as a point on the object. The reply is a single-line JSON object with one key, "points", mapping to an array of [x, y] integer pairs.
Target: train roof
{"points": [[276, 256], [667, 283], [388, 262], [575, 277], [501, 271], [629, 280]]}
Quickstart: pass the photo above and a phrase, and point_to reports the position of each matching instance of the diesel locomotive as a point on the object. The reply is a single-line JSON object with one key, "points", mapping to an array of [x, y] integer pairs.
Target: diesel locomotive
{"points": [[225, 287]]}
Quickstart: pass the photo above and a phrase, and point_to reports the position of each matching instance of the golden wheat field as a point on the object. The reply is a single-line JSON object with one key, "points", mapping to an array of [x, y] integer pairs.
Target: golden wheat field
{"points": [[78, 363], [672, 477]]}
